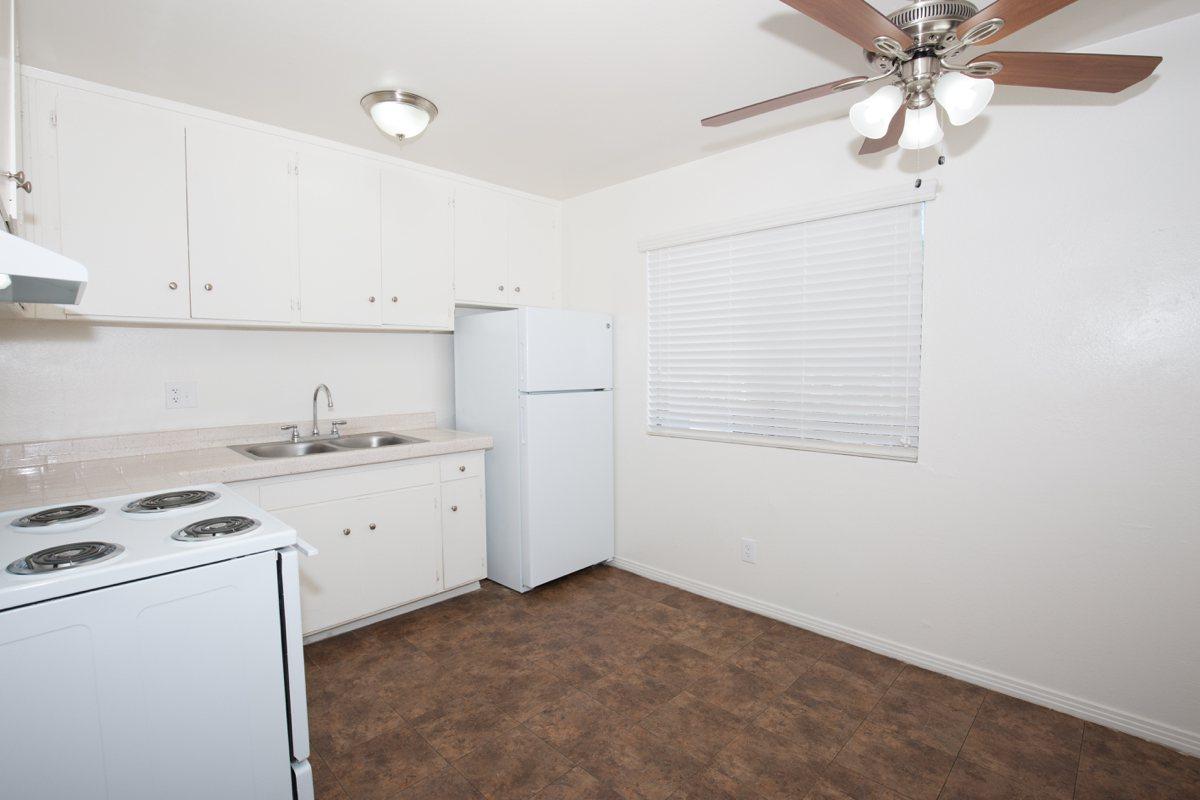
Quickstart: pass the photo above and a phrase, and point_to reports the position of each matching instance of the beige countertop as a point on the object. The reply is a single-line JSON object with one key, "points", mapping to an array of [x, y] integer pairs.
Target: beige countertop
{"points": [[43, 473]]}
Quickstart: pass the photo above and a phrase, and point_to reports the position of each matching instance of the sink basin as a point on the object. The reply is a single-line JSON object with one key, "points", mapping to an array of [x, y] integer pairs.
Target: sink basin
{"points": [[355, 441], [284, 449], [358, 441]]}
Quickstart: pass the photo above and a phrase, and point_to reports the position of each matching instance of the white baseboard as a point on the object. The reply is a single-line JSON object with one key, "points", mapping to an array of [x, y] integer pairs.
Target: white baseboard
{"points": [[1175, 738]]}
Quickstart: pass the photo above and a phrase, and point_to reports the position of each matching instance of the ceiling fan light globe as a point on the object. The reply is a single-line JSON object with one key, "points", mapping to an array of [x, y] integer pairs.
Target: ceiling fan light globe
{"points": [[963, 97], [921, 128], [872, 116]]}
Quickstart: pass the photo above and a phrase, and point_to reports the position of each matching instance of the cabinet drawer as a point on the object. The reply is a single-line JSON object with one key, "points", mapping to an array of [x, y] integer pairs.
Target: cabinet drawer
{"points": [[462, 465], [336, 486]]}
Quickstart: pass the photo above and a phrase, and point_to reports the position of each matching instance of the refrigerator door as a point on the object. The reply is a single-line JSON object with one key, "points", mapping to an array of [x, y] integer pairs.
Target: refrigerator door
{"points": [[563, 351], [567, 483]]}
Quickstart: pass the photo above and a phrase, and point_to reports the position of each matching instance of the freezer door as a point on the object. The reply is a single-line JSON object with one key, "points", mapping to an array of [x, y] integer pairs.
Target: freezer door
{"points": [[567, 483], [564, 350]]}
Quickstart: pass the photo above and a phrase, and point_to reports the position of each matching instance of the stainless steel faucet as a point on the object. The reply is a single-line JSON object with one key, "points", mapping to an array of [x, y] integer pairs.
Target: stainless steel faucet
{"points": [[329, 399]]}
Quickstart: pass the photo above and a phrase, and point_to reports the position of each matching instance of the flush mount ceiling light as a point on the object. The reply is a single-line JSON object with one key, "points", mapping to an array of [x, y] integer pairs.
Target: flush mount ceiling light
{"points": [[915, 53], [403, 115]]}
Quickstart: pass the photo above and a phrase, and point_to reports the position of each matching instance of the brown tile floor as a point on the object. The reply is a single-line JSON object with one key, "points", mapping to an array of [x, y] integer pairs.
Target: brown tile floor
{"points": [[605, 686]]}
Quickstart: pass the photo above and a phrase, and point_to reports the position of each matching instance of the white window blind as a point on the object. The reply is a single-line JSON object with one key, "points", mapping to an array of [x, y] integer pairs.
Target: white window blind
{"points": [[803, 335]]}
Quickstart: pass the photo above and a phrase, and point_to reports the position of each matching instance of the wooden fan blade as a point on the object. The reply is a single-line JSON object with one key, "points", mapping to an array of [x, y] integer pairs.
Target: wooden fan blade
{"points": [[854, 19], [781, 102], [889, 139], [1016, 14], [1085, 72]]}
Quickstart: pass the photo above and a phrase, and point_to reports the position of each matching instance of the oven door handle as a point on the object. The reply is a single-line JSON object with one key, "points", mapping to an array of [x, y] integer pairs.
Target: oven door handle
{"points": [[293, 645]]}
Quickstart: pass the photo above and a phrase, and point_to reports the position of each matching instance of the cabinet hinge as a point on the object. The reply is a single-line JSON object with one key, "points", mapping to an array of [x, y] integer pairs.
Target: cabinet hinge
{"points": [[53, 119]]}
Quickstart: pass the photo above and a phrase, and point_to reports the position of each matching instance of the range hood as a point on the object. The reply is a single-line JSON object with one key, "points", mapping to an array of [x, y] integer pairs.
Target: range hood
{"points": [[32, 274]]}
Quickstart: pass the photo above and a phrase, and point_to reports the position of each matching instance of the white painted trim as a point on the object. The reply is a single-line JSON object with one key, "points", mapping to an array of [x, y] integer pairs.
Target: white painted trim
{"points": [[820, 209], [907, 454], [346, 627], [303, 138], [1170, 736]]}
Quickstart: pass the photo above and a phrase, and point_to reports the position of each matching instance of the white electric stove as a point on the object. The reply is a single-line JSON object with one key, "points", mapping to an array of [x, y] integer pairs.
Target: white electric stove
{"points": [[152, 642]]}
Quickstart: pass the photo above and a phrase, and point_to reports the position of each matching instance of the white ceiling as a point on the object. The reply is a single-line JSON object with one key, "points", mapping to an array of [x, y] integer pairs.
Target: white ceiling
{"points": [[554, 97]]}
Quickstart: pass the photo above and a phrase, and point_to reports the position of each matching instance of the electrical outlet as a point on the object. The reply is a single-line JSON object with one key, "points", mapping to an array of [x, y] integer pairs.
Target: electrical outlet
{"points": [[749, 551], [181, 395]]}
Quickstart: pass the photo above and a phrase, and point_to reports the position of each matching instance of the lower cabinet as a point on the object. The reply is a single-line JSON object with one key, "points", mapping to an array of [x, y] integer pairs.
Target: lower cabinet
{"points": [[382, 541]]}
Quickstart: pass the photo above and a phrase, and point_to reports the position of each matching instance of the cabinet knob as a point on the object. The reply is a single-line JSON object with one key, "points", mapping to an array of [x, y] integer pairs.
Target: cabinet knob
{"points": [[454, 508], [172, 286], [462, 468], [395, 299], [371, 526], [345, 531], [371, 298], [208, 287], [501, 287], [517, 289]]}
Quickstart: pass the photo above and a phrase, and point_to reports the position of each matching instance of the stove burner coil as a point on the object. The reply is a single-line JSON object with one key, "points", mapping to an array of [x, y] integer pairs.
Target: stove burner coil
{"points": [[215, 528], [65, 556], [169, 501], [55, 516]]}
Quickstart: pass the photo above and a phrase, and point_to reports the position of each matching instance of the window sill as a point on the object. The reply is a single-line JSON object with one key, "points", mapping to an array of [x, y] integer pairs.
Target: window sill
{"points": [[908, 454]]}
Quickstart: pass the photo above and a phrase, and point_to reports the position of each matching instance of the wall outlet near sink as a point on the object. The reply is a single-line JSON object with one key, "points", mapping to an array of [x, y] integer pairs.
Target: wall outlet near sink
{"points": [[182, 394]]}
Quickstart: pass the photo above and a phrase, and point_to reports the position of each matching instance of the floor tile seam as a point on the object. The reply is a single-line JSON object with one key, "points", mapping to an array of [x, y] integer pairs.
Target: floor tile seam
{"points": [[958, 755]]}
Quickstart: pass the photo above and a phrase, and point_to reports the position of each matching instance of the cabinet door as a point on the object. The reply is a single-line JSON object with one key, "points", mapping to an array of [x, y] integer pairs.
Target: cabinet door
{"points": [[241, 212], [122, 204], [534, 253], [464, 536], [403, 552], [418, 277], [480, 246], [330, 581], [339, 239]]}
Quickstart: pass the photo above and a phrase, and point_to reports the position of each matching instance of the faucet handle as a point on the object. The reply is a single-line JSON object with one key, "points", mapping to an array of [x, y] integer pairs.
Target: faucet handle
{"points": [[295, 429], [333, 427]]}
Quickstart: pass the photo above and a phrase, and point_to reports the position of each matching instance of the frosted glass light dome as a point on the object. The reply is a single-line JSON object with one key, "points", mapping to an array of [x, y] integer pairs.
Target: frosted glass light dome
{"points": [[403, 115]]}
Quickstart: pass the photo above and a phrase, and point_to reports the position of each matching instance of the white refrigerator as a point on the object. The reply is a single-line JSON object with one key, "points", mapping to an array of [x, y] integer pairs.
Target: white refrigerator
{"points": [[539, 381]]}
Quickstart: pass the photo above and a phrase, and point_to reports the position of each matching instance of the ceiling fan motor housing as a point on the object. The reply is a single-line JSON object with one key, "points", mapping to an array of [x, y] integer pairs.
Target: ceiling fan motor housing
{"points": [[931, 23]]}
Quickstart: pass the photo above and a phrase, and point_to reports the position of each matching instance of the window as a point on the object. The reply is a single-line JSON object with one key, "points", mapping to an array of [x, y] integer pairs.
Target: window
{"points": [[803, 335]]}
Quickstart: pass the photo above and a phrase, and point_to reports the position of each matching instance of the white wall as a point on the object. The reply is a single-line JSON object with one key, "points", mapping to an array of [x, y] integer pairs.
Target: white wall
{"points": [[1048, 540], [64, 379]]}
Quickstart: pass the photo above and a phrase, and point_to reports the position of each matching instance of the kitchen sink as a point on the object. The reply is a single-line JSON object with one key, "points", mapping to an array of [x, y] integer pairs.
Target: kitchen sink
{"points": [[284, 449], [354, 441], [358, 441]]}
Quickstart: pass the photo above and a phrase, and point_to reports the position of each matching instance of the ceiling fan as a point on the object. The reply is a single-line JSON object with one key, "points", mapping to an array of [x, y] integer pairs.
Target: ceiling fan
{"points": [[912, 53]]}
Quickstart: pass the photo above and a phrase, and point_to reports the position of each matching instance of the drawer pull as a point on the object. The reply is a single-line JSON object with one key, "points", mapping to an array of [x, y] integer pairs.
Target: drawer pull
{"points": [[454, 508], [462, 468], [371, 526], [345, 531]]}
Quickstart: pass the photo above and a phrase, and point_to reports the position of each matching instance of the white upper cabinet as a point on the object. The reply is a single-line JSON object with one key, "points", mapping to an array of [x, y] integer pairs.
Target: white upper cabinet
{"points": [[534, 253], [507, 249], [122, 203], [418, 277], [340, 259], [480, 245], [241, 191]]}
